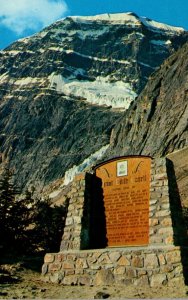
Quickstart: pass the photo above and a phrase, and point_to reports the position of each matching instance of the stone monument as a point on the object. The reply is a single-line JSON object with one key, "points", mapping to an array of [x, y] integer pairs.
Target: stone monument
{"points": [[124, 226]]}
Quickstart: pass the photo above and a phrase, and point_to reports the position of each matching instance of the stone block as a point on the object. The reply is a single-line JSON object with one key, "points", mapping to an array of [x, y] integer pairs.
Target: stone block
{"points": [[69, 221], [153, 222], [81, 263], [166, 231], [158, 279], [49, 258], [157, 183], [68, 265], [104, 277], [125, 281], [173, 257], [165, 193], [166, 268], [137, 262], [162, 260], [77, 219], [71, 207], [151, 231], [64, 245], [178, 270], [165, 182], [169, 240], [104, 259], [166, 222], [80, 272], [81, 193], [142, 281], [56, 277], [177, 281], [162, 176], [155, 240], [66, 235], [71, 257], [54, 267], [165, 189], [85, 280], [95, 267], [75, 245], [91, 260], [74, 190], [162, 213], [70, 280], [44, 269], [109, 266], [114, 256], [152, 207], [123, 261], [152, 202], [141, 273], [97, 254], [69, 272], [164, 199], [165, 206], [119, 270], [156, 195], [151, 261], [131, 273]]}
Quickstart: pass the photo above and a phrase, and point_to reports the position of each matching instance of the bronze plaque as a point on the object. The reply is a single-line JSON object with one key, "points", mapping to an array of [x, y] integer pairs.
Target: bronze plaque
{"points": [[126, 192]]}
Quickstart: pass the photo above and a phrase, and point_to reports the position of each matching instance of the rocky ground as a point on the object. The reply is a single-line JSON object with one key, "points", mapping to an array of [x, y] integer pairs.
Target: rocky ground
{"points": [[22, 280]]}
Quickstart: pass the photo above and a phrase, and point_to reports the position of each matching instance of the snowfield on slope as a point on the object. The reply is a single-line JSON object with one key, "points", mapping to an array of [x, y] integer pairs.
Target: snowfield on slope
{"points": [[101, 91]]}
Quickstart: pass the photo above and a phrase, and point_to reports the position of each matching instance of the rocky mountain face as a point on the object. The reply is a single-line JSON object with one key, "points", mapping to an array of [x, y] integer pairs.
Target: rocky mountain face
{"points": [[157, 123], [64, 89]]}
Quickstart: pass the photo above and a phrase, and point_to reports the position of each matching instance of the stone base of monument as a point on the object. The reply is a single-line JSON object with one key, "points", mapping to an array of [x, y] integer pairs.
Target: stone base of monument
{"points": [[139, 266], [161, 261]]}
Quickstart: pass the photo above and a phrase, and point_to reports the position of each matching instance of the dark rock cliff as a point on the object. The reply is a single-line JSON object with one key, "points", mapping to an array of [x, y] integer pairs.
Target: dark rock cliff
{"points": [[157, 123]]}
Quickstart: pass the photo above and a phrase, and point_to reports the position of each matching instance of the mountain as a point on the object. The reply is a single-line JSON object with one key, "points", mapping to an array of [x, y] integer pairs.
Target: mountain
{"points": [[157, 123], [63, 90]]}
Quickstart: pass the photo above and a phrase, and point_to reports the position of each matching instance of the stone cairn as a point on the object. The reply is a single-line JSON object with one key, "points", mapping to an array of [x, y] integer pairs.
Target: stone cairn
{"points": [[163, 261]]}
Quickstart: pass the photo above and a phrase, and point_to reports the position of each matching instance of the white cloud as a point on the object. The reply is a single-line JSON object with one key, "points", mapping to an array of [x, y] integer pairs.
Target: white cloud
{"points": [[22, 15]]}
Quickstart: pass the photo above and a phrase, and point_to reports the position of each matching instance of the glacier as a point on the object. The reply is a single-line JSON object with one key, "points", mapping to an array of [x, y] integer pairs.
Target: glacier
{"points": [[88, 162], [101, 91]]}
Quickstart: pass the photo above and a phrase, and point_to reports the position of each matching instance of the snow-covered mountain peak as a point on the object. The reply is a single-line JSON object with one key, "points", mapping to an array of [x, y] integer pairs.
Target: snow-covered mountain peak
{"points": [[119, 18], [128, 18]]}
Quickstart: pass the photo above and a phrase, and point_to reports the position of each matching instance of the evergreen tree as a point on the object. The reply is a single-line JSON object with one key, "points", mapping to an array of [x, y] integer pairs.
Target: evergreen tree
{"points": [[28, 224], [8, 194]]}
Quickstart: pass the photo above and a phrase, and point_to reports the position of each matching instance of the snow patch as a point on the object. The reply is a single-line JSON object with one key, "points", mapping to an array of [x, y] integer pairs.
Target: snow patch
{"points": [[156, 26], [160, 42], [145, 65], [101, 91], [91, 160], [27, 80], [120, 18], [95, 33], [111, 60], [4, 77]]}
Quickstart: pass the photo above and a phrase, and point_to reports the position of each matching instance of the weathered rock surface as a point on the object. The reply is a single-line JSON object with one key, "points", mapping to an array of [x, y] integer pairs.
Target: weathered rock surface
{"points": [[157, 123]]}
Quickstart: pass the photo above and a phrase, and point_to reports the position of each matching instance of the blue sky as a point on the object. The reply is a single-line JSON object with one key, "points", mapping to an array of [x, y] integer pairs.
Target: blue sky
{"points": [[19, 18]]}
